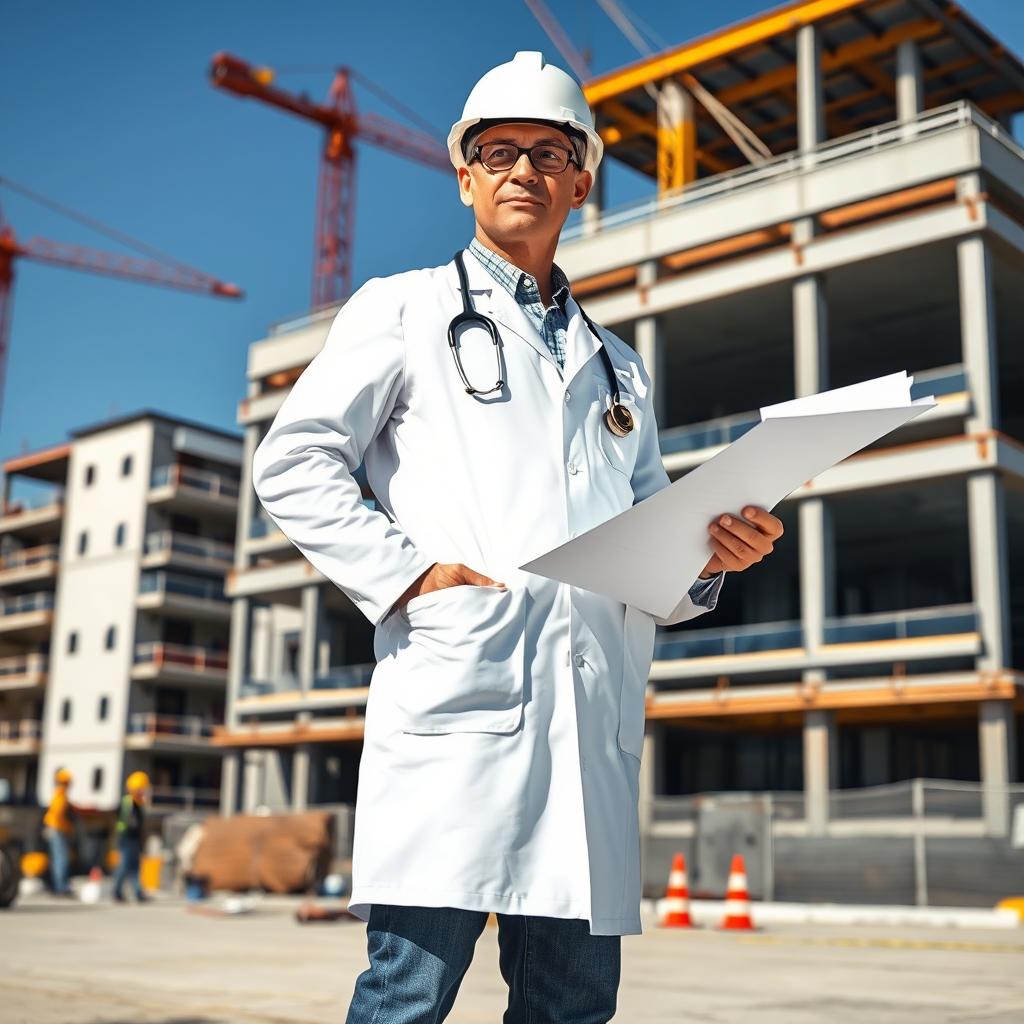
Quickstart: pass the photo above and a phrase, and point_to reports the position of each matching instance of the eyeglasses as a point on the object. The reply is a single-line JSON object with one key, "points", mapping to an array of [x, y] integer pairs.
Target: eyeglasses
{"points": [[545, 157]]}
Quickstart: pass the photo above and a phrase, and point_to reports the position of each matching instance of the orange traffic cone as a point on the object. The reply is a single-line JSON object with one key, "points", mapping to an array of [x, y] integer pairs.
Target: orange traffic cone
{"points": [[737, 899], [677, 897]]}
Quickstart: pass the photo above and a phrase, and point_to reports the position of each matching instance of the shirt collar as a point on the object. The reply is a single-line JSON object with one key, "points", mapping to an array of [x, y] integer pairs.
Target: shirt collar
{"points": [[520, 285]]}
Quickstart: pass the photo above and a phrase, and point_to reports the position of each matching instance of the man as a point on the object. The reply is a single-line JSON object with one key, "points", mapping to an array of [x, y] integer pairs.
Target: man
{"points": [[504, 723], [131, 818], [58, 828]]}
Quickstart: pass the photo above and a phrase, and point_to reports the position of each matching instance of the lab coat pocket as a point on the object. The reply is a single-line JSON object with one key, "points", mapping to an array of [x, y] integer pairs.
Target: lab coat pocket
{"points": [[637, 653], [460, 663], [619, 452]]}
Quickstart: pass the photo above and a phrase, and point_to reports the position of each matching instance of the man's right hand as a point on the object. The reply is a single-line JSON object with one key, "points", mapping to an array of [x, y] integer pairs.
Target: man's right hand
{"points": [[445, 574]]}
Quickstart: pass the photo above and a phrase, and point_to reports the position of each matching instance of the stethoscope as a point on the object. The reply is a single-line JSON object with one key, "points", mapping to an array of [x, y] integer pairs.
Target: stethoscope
{"points": [[618, 418]]}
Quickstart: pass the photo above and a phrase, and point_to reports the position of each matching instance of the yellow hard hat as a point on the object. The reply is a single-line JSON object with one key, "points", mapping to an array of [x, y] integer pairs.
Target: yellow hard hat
{"points": [[62, 777], [136, 781]]}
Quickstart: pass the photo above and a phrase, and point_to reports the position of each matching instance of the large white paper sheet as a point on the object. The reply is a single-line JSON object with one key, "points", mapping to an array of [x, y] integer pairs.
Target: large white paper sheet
{"points": [[649, 555]]}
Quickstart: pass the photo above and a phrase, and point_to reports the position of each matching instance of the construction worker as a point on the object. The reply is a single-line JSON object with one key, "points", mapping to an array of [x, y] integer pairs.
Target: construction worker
{"points": [[58, 828], [130, 821], [505, 720]]}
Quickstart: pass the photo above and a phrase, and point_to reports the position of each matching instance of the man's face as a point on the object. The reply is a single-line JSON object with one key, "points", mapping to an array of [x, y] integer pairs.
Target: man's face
{"points": [[497, 197]]}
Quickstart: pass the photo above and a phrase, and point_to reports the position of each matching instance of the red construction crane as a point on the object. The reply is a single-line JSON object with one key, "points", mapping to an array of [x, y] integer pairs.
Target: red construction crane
{"points": [[335, 209], [159, 269]]}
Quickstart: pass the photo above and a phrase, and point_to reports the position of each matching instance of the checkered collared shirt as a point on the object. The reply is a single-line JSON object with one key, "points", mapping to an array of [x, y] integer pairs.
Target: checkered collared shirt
{"points": [[551, 323]]}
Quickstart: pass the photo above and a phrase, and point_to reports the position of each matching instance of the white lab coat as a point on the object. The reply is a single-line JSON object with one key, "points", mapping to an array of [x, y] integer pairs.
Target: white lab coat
{"points": [[504, 729]]}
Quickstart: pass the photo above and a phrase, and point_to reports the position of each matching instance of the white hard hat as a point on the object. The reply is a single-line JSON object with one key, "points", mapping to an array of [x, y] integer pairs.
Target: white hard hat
{"points": [[527, 89]]}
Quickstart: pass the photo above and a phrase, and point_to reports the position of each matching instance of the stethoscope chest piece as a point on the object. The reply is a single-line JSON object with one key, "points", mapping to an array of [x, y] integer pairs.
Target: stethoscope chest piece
{"points": [[619, 419]]}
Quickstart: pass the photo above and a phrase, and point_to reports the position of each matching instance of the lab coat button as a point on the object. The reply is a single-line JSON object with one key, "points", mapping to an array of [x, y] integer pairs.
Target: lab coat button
{"points": [[579, 661], [573, 468], [567, 397]]}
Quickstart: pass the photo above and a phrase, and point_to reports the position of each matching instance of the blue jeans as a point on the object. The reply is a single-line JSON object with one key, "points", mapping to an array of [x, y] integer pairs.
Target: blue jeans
{"points": [[129, 850], [556, 971], [59, 859]]}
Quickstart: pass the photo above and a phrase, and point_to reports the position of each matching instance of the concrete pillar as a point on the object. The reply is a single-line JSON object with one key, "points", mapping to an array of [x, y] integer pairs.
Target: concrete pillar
{"points": [[229, 783], [817, 574], [990, 586], [997, 744], [810, 324], [593, 209], [652, 773], [300, 774], [821, 767], [239, 653], [810, 375], [252, 780], [650, 345], [300, 777], [309, 634], [246, 495], [677, 137], [978, 326], [909, 81], [809, 95]]}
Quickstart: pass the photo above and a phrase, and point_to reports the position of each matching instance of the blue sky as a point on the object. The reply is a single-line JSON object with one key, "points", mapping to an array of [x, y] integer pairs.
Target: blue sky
{"points": [[108, 109]]}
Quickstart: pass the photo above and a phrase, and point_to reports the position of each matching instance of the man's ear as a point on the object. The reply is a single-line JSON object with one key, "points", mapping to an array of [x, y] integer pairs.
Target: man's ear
{"points": [[581, 188], [465, 186]]}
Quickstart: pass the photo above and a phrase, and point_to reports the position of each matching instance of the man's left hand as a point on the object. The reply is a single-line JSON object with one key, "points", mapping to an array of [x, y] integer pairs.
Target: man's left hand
{"points": [[740, 541]]}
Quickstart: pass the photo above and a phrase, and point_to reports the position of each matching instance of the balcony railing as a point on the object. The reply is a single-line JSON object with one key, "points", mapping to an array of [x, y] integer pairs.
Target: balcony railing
{"points": [[886, 136], [692, 437], [340, 678], [199, 659], [171, 542], [214, 485], [178, 583], [41, 601], [941, 620], [190, 727], [23, 665], [27, 557], [15, 732], [187, 798], [23, 506], [706, 643]]}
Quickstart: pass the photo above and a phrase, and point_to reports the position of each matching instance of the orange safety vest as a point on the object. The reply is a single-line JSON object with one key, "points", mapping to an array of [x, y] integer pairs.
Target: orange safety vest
{"points": [[58, 814]]}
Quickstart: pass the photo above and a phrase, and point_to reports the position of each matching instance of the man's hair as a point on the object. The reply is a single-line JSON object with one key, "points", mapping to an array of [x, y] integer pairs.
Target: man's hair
{"points": [[577, 139]]}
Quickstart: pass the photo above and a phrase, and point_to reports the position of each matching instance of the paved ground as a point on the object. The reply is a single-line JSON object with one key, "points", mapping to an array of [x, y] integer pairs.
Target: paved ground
{"points": [[65, 963]]}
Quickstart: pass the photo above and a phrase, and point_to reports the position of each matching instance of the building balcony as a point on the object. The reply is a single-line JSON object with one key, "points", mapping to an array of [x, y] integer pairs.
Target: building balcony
{"points": [[194, 490], [24, 672], [921, 633], [20, 737], [687, 446], [261, 408], [186, 733], [166, 547], [182, 595], [925, 689], [184, 798], [43, 520], [177, 663], [27, 617], [275, 581], [29, 566], [344, 687], [748, 212]]}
